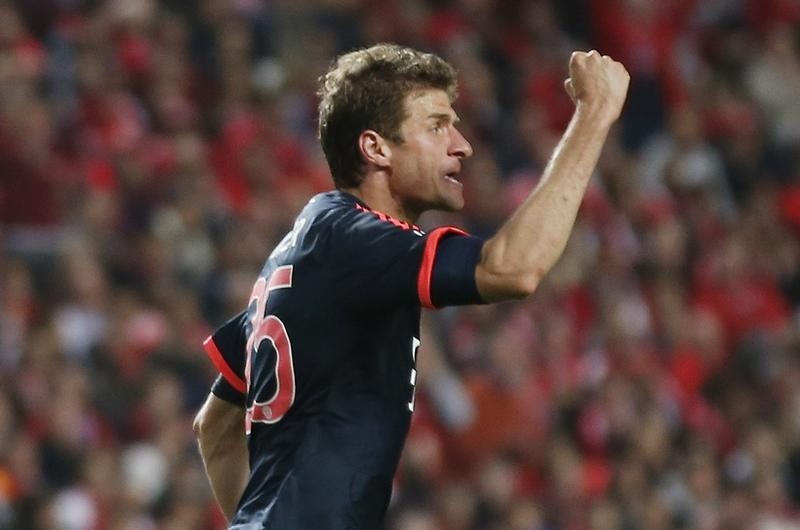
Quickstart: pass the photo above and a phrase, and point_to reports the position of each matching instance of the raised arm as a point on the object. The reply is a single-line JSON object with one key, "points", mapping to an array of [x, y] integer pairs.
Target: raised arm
{"points": [[219, 427], [515, 260]]}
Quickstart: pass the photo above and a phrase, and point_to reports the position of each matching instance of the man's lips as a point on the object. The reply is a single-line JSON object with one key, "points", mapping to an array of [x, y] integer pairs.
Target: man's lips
{"points": [[453, 177]]}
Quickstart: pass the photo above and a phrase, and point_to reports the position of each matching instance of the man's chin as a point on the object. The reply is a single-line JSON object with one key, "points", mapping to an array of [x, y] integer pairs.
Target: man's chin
{"points": [[453, 203], [449, 203]]}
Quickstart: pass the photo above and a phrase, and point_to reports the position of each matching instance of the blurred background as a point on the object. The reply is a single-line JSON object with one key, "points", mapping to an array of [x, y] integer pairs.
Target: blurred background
{"points": [[153, 152]]}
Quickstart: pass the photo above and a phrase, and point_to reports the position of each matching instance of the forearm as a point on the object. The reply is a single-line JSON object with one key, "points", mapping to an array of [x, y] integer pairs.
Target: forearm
{"points": [[227, 470], [223, 448], [533, 238]]}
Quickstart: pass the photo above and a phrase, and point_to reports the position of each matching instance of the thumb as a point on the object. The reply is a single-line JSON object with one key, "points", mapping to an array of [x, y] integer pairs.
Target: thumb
{"points": [[569, 89]]}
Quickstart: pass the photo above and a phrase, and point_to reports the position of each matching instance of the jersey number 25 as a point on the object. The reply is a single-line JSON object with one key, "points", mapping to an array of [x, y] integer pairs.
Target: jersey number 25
{"points": [[270, 327]]}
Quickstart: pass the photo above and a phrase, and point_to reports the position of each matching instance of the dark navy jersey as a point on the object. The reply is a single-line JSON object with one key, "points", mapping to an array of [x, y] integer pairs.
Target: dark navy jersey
{"points": [[323, 360]]}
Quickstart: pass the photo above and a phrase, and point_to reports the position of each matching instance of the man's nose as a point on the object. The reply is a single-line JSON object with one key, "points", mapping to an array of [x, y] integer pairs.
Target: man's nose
{"points": [[459, 146]]}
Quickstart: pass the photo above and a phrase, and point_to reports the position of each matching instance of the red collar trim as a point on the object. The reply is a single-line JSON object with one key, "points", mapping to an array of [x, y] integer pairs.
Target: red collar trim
{"points": [[388, 218]]}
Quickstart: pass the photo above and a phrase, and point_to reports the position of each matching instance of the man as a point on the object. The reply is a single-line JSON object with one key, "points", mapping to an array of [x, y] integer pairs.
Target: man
{"points": [[323, 359]]}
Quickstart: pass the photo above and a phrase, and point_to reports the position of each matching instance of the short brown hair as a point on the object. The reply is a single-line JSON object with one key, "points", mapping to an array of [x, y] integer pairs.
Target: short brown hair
{"points": [[366, 89]]}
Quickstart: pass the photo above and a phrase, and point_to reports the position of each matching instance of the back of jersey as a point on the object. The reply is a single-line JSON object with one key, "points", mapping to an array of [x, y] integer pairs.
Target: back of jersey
{"points": [[325, 354]]}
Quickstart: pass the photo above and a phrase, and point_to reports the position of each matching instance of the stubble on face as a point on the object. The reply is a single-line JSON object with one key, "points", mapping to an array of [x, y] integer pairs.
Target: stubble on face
{"points": [[426, 165]]}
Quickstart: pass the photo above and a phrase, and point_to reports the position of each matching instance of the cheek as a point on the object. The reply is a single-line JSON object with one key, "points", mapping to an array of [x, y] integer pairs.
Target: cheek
{"points": [[409, 175], [418, 167], [430, 160]]}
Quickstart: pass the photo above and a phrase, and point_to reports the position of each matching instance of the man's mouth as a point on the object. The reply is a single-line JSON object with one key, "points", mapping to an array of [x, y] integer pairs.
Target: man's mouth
{"points": [[453, 177]]}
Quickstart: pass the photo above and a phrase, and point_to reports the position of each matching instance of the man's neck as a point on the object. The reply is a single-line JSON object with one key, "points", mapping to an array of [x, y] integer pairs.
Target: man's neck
{"points": [[375, 193]]}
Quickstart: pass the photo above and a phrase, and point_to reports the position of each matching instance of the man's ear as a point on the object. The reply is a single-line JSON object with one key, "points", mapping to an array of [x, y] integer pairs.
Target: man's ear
{"points": [[374, 149]]}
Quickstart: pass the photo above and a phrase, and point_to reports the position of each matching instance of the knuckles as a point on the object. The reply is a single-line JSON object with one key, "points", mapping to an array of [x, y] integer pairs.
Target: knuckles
{"points": [[597, 78], [592, 63]]}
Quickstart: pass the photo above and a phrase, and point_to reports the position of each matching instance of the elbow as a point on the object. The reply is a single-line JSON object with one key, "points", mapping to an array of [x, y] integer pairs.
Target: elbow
{"points": [[527, 284], [501, 278], [521, 286], [497, 286]]}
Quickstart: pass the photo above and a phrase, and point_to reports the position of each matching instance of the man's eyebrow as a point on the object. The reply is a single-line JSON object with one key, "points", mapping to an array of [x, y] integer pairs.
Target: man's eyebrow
{"points": [[444, 116]]}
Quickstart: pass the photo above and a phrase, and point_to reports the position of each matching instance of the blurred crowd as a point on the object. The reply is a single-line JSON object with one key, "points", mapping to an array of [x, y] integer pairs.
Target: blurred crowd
{"points": [[153, 151]]}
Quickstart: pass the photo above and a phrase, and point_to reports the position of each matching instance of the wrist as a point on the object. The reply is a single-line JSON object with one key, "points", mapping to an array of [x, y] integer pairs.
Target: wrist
{"points": [[598, 114]]}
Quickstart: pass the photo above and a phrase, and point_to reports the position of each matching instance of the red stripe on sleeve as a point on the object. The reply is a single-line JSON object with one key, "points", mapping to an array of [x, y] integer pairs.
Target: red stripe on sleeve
{"points": [[221, 365], [428, 258]]}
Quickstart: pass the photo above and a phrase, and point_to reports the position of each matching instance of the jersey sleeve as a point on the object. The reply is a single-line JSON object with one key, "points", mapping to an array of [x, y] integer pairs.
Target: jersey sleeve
{"points": [[377, 262], [226, 349], [452, 278], [223, 390]]}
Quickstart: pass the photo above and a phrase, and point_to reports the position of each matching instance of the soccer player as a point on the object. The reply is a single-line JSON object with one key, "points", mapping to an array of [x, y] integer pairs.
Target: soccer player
{"points": [[304, 426]]}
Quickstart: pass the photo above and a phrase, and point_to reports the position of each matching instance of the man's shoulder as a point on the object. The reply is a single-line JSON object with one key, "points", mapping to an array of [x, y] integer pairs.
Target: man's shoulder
{"points": [[325, 209], [330, 200], [345, 213], [337, 225], [311, 233]]}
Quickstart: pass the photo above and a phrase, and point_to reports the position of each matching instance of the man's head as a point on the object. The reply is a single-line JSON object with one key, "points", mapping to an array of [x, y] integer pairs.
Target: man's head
{"points": [[367, 90]]}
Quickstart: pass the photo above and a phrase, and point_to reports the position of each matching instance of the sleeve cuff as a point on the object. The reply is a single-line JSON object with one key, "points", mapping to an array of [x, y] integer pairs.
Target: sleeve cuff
{"points": [[223, 390], [224, 369], [428, 260]]}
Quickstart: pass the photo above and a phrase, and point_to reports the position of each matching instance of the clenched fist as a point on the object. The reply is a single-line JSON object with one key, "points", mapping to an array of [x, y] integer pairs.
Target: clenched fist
{"points": [[597, 84]]}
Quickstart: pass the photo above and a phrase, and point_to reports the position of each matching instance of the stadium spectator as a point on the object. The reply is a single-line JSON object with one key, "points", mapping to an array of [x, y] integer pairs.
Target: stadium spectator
{"points": [[151, 152]]}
